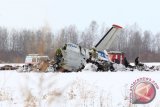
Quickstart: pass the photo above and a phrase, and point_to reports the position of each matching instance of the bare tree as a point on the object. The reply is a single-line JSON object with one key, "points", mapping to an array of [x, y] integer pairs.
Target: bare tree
{"points": [[157, 43], [135, 43], [47, 38], [146, 41], [61, 38], [88, 37], [3, 39], [72, 34]]}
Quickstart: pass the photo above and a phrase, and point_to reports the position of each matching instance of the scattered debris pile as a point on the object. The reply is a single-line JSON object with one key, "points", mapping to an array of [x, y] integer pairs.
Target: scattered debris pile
{"points": [[9, 67]]}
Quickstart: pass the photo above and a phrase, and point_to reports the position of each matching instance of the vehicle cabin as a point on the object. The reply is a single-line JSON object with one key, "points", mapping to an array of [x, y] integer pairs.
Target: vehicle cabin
{"points": [[35, 58]]}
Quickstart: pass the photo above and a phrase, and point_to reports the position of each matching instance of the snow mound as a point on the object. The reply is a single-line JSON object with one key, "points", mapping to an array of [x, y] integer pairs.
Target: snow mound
{"points": [[119, 67], [90, 67]]}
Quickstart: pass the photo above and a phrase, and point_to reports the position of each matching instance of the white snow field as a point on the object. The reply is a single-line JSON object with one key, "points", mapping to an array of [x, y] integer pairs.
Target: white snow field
{"points": [[76, 89]]}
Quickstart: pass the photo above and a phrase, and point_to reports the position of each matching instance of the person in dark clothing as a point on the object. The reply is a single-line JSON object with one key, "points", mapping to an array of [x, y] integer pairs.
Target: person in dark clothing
{"points": [[58, 56], [137, 63], [126, 63], [111, 67]]}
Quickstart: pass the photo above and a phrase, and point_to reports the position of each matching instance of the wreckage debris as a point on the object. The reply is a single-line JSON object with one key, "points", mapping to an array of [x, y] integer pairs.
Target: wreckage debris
{"points": [[9, 67]]}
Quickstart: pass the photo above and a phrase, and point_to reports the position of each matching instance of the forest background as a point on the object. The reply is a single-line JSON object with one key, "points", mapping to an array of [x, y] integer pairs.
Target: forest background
{"points": [[15, 44]]}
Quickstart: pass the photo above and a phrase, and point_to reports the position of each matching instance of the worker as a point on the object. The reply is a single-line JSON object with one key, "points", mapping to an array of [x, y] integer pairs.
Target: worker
{"points": [[94, 54], [58, 56], [137, 63], [126, 63], [64, 47]]}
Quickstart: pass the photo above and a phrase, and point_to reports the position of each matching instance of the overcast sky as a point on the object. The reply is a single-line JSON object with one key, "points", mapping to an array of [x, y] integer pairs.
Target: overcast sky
{"points": [[33, 14]]}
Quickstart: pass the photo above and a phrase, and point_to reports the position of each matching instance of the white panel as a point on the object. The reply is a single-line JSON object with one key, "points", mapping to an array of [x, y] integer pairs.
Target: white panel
{"points": [[109, 38]]}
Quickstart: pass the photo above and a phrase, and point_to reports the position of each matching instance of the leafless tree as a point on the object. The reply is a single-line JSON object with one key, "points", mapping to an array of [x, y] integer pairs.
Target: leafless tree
{"points": [[72, 34], [157, 42], [88, 36], [3, 39]]}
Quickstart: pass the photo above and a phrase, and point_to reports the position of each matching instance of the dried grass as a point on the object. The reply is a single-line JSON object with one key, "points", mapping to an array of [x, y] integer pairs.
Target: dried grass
{"points": [[4, 96]]}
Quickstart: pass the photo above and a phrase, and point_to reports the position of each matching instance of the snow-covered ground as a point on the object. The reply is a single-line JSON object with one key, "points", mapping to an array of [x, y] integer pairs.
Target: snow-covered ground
{"points": [[82, 89]]}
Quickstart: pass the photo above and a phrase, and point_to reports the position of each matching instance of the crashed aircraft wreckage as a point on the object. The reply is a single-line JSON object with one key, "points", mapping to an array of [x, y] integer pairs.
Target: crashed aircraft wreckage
{"points": [[75, 57]]}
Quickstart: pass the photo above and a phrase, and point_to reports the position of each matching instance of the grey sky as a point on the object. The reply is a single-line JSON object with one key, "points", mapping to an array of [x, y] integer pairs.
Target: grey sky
{"points": [[60, 13]]}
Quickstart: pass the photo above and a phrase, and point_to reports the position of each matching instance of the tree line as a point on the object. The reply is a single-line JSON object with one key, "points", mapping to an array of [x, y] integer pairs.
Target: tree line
{"points": [[16, 44]]}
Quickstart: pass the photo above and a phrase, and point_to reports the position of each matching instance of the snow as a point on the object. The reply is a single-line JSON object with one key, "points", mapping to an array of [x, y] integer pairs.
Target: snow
{"points": [[90, 67], [77, 89]]}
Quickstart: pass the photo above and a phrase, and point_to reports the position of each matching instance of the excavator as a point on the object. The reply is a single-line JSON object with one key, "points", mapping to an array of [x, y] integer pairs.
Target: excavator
{"points": [[75, 56]]}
